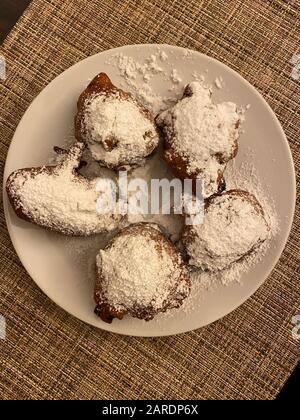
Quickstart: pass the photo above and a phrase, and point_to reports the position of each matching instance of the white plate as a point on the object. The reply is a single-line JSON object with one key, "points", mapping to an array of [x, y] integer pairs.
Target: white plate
{"points": [[47, 123]]}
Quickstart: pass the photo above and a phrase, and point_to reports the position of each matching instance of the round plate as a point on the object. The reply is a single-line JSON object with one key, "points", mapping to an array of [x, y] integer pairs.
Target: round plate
{"points": [[48, 121]]}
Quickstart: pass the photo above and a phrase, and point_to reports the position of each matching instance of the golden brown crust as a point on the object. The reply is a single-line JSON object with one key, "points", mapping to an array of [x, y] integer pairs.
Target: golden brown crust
{"points": [[100, 84], [107, 312], [179, 166], [13, 198]]}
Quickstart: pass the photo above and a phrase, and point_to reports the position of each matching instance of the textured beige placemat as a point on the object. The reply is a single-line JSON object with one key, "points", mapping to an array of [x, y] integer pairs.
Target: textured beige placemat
{"points": [[250, 353]]}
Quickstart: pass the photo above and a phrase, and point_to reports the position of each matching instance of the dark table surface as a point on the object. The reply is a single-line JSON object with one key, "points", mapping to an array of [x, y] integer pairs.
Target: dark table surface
{"points": [[10, 12]]}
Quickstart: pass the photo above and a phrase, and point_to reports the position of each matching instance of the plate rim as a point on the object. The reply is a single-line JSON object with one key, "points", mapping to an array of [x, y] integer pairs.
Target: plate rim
{"points": [[275, 120]]}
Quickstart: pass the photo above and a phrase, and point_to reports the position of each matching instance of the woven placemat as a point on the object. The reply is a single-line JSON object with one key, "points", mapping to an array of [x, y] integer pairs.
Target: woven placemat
{"points": [[247, 355]]}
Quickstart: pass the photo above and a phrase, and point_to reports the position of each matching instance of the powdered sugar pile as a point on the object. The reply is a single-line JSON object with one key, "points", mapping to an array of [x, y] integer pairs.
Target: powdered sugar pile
{"points": [[136, 272], [219, 82], [201, 132], [175, 76], [137, 76], [60, 200], [128, 66], [117, 130]]}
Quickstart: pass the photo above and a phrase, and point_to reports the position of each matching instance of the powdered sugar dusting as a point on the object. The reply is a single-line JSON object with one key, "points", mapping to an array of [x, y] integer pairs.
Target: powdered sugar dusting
{"points": [[175, 76], [127, 281], [245, 176], [60, 200], [137, 76], [233, 226], [200, 132], [219, 82], [198, 77], [117, 130]]}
